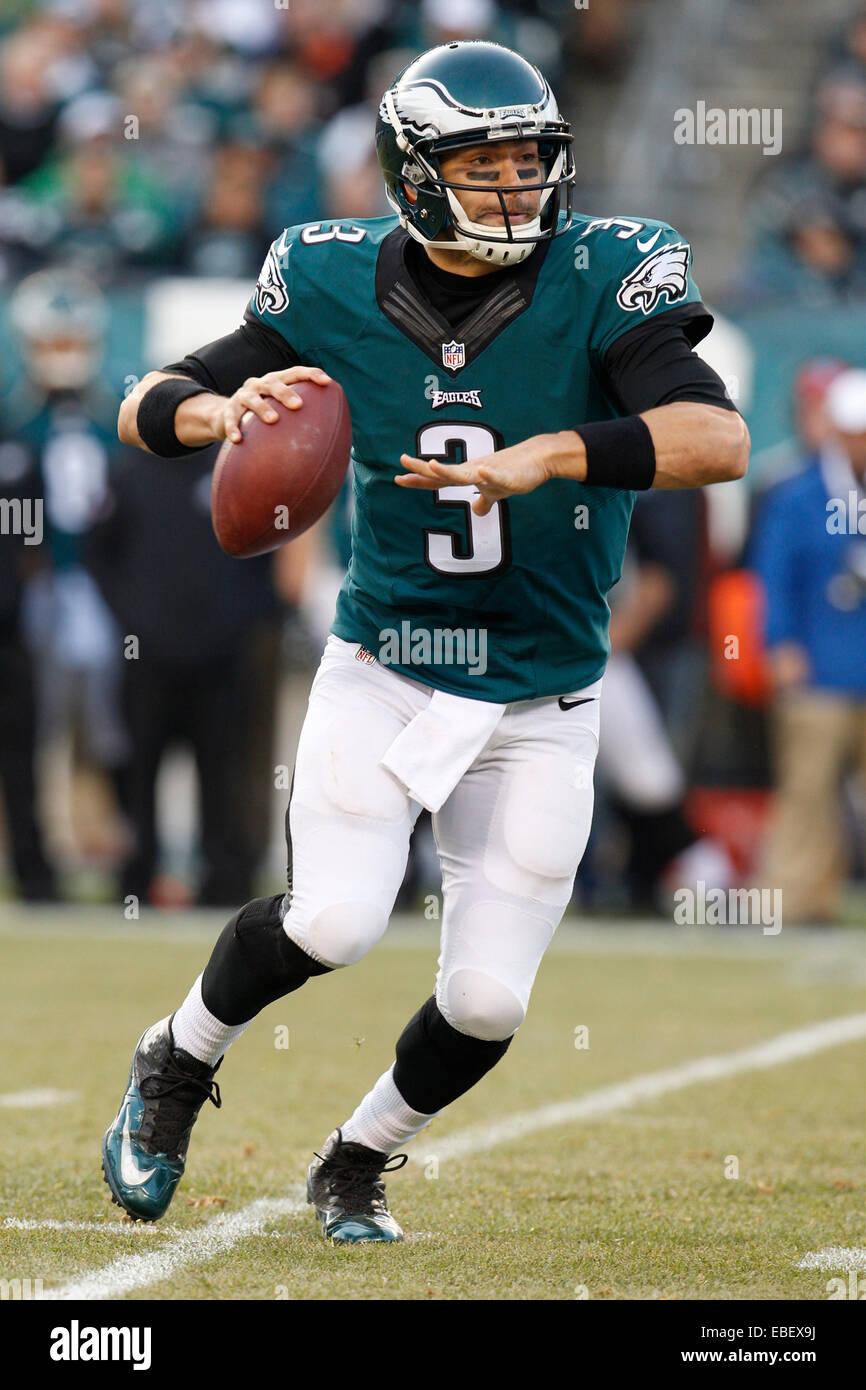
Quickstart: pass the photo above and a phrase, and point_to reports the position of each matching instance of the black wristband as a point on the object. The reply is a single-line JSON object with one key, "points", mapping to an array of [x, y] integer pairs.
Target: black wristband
{"points": [[619, 453], [155, 419]]}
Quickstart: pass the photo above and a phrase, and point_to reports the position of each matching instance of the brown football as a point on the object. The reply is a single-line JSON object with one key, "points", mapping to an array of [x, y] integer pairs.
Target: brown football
{"points": [[282, 477]]}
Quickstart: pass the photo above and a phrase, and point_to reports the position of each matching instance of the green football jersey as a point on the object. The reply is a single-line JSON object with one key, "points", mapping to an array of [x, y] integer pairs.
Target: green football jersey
{"points": [[511, 606]]}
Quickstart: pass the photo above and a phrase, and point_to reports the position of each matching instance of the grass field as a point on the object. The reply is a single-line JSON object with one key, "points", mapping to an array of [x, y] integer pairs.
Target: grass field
{"points": [[629, 1194]]}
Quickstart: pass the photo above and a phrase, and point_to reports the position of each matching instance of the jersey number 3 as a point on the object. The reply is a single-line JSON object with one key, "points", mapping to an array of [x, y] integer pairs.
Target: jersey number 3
{"points": [[446, 551]]}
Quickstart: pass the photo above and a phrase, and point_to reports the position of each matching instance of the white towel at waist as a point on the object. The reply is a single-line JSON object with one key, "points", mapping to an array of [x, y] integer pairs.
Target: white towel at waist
{"points": [[431, 754]]}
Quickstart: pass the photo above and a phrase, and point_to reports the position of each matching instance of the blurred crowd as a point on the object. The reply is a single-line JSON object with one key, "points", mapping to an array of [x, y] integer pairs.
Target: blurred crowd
{"points": [[241, 117], [808, 215], [139, 140]]}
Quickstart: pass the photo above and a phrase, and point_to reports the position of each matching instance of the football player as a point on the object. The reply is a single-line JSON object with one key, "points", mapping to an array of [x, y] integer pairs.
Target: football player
{"points": [[515, 373]]}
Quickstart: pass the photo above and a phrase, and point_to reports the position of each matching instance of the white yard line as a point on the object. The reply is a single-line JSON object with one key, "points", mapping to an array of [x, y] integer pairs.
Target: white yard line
{"points": [[103, 1228], [219, 1235], [833, 1257], [111, 1228], [198, 1246], [36, 1099], [787, 1047]]}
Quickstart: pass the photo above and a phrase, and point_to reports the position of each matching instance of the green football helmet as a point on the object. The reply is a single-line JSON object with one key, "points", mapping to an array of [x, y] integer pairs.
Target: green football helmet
{"points": [[466, 93]]}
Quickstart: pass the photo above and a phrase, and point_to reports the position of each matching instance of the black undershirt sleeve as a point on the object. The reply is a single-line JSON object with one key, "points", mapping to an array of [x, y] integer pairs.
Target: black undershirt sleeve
{"points": [[224, 365], [653, 364]]}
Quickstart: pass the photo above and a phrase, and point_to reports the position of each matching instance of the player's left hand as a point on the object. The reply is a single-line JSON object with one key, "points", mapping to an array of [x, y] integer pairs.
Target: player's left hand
{"points": [[520, 468]]}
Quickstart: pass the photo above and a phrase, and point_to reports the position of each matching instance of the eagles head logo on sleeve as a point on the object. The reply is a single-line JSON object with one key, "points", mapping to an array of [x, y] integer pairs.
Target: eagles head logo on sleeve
{"points": [[272, 297], [665, 272]]}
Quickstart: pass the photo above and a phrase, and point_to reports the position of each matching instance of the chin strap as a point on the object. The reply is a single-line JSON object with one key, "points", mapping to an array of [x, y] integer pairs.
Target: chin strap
{"points": [[493, 253], [473, 238]]}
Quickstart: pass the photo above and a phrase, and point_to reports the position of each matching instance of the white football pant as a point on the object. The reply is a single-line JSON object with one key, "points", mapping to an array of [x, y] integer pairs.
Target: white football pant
{"points": [[510, 836]]}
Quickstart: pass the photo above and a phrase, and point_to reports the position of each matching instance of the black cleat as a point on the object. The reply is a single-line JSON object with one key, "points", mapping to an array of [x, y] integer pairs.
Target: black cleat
{"points": [[344, 1184], [144, 1149]]}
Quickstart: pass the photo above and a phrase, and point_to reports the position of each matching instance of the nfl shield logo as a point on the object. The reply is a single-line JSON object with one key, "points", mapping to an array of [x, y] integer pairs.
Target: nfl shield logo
{"points": [[453, 355]]}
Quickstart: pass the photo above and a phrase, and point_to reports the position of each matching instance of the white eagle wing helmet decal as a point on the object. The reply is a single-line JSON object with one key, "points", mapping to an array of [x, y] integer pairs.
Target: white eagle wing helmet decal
{"points": [[429, 111], [665, 272], [272, 297]]}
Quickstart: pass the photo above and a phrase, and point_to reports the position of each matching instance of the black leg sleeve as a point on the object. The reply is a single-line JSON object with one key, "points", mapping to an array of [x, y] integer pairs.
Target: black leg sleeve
{"points": [[253, 963], [436, 1064]]}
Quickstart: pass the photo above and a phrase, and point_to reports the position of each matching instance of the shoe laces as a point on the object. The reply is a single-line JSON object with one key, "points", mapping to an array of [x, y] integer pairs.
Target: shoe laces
{"points": [[173, 1098], [350, 1177]]}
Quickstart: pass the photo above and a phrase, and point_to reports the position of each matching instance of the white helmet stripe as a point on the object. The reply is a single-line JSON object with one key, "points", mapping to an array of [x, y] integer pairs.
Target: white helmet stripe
{"points": [[391, 109]]}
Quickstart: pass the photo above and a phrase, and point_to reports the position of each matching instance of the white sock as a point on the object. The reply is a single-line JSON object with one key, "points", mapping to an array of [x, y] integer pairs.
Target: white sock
{"points": [[383, 1120], [196, 1030]]}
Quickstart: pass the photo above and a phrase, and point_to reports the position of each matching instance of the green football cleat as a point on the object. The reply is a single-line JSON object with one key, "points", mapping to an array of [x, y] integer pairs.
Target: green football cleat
{"points": [[144, 1149], [344, 1184]]}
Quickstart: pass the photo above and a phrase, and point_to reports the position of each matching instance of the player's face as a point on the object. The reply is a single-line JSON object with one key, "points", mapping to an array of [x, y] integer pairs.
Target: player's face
{"points": [[63, 362], [497, 164]]}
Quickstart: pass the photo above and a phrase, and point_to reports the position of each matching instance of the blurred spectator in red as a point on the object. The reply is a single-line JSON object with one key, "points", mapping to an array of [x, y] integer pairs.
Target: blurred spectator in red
{"points": [[809, 423], [811, 384], [809, 551]]}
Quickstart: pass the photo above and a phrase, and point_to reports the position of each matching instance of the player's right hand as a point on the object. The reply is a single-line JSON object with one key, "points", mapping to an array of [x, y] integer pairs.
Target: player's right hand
{"points": [[257, 394]]}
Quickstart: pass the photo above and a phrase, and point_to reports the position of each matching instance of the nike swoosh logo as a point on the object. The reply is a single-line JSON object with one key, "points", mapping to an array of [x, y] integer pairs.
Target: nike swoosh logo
{"points": [[130, 1172], [570, 704], [283, 248], [648, 245]]}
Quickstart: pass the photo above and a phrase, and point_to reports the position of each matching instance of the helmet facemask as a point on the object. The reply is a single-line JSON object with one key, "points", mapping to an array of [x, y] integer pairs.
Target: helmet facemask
{"points": [[512, 243]]}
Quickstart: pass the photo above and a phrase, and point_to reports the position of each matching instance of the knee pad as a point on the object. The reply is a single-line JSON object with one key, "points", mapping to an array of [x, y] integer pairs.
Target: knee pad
{"points": [[344, 932], [351, 779], [253, 963], [491, 954], [546, 828], [436, 1063], [543, 833], [476, 1003]]}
